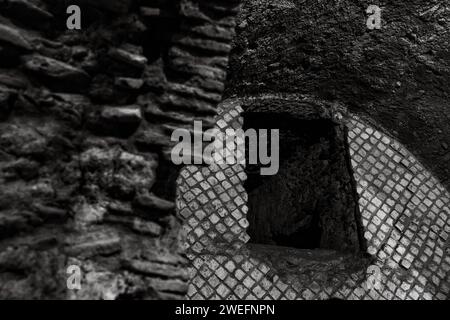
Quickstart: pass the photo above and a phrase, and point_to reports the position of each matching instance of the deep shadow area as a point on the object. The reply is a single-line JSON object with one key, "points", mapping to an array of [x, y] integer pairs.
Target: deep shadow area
{"points": [[311, 202]]}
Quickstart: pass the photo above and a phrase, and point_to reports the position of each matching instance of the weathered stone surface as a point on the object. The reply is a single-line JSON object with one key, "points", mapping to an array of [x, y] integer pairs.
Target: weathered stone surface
{"points": [[194, 92], [116, 121], [13, 222], [47, 212], [104, 91], [299, 107], [146, 227], [186, 66], [153, 112], [150, 201], [120, 208], [21, 195], [134, 172], [128, 115], [70, 107], [204, 44], [211, 31], [165, 257], [119, 173], [82, 171], [136, 224], [190, 59], [22, 168], [309, 49], [156, 269], [93, 243], [29, 273], [188, 104], [56, 70], [129, 83], [128, 57], [151, 137], [173, 286], [14, 36], [196, 10], [32, 140], [12, 80], [87, 214]]}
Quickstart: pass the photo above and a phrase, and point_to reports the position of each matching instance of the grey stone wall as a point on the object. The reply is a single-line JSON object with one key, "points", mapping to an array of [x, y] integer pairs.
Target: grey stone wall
{"points": [[86, 118], [85, 124]]}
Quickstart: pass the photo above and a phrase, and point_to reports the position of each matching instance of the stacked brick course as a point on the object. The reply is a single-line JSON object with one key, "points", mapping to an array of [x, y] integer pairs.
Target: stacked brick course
{"points": [[86, 118]]}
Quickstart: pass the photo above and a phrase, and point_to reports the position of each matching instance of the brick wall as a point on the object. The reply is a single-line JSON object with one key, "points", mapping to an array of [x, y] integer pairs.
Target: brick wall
{"points": [[85, 124]]}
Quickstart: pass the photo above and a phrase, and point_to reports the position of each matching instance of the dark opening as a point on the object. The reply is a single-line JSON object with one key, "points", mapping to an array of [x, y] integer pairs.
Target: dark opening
{"points": [[311, 202]]}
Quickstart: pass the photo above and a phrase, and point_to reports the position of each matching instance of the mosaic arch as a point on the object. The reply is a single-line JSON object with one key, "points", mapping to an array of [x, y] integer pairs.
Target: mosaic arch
{"points": [[404, 212]]}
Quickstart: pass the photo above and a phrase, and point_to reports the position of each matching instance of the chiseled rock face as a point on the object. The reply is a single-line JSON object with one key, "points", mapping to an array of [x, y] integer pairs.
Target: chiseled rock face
{"points": [[85, 125]]}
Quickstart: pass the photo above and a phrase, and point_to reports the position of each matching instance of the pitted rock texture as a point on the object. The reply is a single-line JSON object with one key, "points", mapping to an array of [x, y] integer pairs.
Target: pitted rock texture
{"points": [[397, 76]]}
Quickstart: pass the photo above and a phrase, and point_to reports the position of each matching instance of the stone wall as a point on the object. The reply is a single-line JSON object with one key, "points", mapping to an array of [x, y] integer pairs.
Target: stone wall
{"points": [[86, 118], [397, 75], [85, 124]]}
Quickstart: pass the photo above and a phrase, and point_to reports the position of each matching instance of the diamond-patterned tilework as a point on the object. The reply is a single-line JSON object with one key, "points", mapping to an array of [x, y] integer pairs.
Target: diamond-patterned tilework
{"points": [[404, 210]]}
